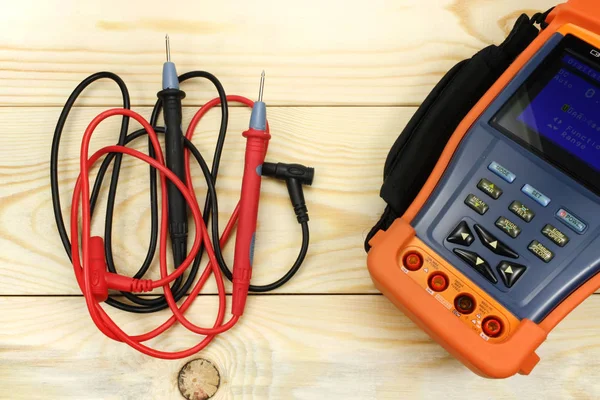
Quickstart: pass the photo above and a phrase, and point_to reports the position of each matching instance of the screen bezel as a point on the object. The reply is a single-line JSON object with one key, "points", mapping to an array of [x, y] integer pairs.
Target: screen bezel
{"points": [[537, 143]]}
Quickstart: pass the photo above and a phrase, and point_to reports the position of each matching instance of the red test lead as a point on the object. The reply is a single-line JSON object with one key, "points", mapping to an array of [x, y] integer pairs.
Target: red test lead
{"points": [[256, 148]]}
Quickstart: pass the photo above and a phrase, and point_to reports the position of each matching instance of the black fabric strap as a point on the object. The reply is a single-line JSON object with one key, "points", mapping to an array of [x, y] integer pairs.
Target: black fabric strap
{"points": [[418, 148]]}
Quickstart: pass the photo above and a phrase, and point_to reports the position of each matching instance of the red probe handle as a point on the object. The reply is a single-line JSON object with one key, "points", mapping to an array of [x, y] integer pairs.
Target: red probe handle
{"points": [[256, 148]]}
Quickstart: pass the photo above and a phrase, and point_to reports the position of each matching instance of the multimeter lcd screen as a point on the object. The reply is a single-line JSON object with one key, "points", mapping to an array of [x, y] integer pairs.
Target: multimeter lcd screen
{"points": [[556, 112], [567, 111]]}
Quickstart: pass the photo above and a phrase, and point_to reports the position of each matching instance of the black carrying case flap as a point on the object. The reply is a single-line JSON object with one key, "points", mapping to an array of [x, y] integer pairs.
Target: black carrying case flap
{"points": [[418, 148]]}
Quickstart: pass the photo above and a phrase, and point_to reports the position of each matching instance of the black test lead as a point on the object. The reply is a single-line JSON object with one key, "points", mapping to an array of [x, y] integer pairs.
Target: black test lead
{"points": [[171, 97]]}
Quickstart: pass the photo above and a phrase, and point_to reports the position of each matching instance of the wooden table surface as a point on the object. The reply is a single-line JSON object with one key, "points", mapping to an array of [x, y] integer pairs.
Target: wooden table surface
{"points": [[343, 78]]}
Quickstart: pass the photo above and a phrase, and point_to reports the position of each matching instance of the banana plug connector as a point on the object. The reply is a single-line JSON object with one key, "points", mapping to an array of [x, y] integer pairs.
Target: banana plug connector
{"points": [[295, 176]]}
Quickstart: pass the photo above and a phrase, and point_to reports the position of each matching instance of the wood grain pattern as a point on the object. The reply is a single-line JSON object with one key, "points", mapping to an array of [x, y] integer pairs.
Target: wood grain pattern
{"points": [[315, 52], [300, 347], [356, 62], [346, 146]]}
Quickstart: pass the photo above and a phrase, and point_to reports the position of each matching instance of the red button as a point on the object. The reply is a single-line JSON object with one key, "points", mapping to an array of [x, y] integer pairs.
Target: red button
{"points": [[492, 326], [413, 261], [438, 282]]}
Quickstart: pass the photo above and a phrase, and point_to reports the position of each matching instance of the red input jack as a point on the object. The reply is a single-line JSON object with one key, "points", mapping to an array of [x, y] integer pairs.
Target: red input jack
{"points": [[438, 282], [492, 326], [412, 261]]}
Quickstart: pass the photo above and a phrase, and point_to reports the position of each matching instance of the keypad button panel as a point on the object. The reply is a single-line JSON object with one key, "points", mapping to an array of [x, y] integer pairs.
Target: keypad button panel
{"points": [[533, 292], [522, 213]]}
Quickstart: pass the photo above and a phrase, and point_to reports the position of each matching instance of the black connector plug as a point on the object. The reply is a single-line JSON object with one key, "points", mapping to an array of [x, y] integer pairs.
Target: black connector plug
{"points": [[295, 175]]}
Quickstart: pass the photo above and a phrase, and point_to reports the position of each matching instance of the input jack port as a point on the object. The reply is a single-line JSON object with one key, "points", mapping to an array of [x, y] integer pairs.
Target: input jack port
{"points": [[492, 326], [412, 261], [464, 303], [438, 282]]}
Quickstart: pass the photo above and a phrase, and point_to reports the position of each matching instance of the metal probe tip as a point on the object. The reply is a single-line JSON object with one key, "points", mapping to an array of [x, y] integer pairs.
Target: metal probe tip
{"points": [[262, 86], [168, 45]]}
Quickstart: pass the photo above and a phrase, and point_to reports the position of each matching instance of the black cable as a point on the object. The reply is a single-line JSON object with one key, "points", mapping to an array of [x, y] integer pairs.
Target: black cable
{"points": [[179, 289], [147, 305], [62, 119], [215, 233], [278, 283]]}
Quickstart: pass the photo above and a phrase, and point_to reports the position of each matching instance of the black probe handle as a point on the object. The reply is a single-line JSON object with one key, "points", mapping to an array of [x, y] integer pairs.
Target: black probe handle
{"points": [[171, 101]]}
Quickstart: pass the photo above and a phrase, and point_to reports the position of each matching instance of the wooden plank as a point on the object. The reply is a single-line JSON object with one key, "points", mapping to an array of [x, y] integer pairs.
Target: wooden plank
{"points": [[302, 347], [315, 52], [347, 147]]}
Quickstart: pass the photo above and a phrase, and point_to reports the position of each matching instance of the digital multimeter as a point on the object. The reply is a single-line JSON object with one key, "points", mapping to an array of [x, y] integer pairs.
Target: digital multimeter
{"points": [[503, 240]]}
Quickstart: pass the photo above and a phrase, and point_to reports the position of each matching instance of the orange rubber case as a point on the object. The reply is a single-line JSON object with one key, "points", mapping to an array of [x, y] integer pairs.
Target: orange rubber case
{"points": [[513, 351]]}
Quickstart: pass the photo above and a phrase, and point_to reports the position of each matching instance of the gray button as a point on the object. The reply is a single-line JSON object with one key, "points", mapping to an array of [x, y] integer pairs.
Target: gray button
{"points": [[536, 195], [476, 204], [555, 235], [502, 172], [541, 251], [571, 220], [508, 227], [525, 213], [489, 188]]}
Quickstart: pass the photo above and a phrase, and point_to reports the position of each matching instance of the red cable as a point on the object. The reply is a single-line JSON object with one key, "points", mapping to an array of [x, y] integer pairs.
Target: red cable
{"points": [[94, 280]]}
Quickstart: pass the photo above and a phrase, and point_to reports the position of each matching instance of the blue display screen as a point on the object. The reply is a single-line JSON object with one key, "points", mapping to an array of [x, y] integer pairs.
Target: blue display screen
{"points": [[567, 110], [555, 112]]}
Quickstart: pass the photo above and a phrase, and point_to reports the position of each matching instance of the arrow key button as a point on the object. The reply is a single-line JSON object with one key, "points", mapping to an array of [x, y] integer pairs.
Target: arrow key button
{"points": [[461, 235], [477, 263], [492, 243], [510, 272]]}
